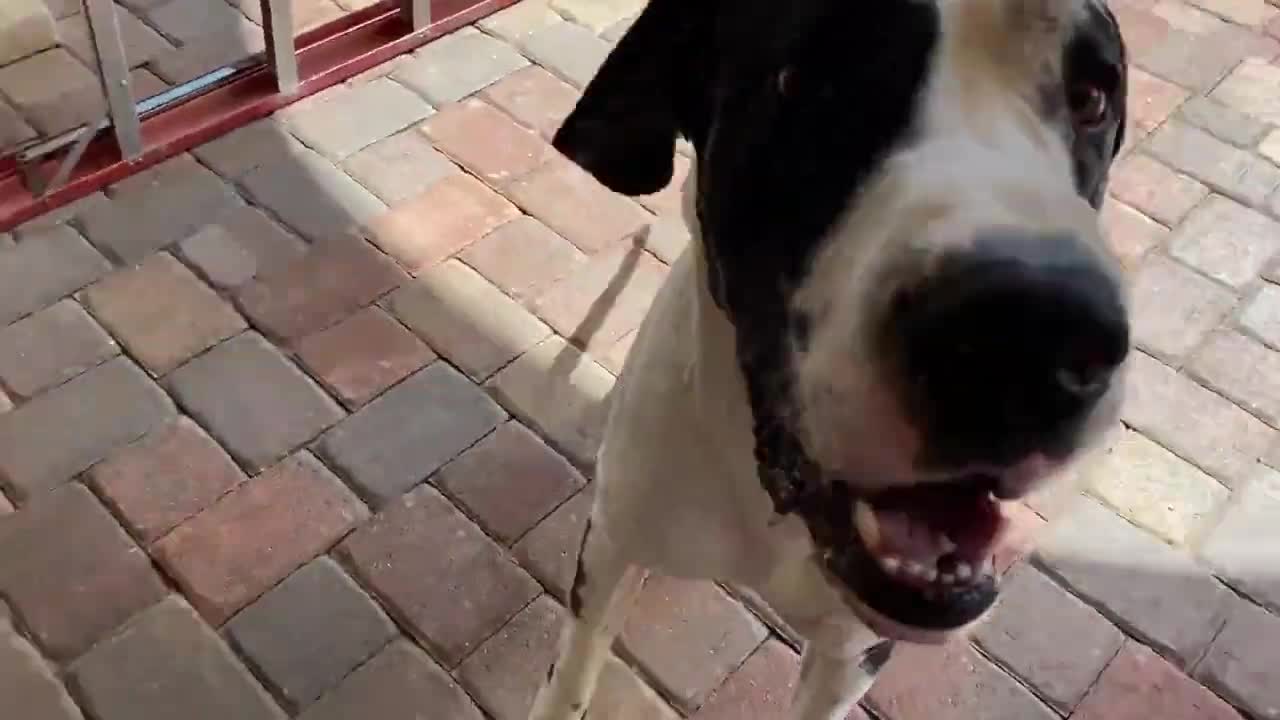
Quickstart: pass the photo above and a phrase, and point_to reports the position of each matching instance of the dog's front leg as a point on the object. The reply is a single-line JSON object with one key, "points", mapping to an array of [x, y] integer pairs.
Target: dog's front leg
{"points": [[831, 683], [604, 589]]}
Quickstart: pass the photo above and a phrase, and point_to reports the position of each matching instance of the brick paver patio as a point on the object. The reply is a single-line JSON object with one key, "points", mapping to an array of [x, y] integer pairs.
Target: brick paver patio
{"points": [[255, 467]]}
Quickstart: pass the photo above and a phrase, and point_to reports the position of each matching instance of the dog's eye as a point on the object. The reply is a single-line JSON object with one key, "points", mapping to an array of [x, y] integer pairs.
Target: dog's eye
{"points": [[1088, 104]]}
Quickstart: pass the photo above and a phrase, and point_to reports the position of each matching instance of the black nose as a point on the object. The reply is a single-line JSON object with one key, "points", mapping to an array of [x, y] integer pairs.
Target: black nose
{"points": [[1009, 345]]}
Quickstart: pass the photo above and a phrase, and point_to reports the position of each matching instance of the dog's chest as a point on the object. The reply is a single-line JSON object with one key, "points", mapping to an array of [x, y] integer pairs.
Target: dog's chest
{"points": [[678, 475]]}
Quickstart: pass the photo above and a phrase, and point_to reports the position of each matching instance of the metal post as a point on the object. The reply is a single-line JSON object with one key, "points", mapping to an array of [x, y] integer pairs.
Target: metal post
{"points": [[113, 69], [277, 28], [417, 12]]}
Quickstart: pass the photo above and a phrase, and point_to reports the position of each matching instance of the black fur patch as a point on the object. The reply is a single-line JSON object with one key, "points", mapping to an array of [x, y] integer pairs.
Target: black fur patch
{"points": [[579, 575], [877, 657]]}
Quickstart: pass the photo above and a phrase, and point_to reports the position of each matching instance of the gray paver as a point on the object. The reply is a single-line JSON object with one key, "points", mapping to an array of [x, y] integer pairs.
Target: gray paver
{"points": [[1223, 122], [1195, 423], [1060, 659], [1261, 316], [1155, 489], [562, 393], [44, 267], [440, 306], [60, 433], [597, 14], [1242, 663], [1252, 87], [1229, 170], [1244, 370], [399, 167], [408, 432], [344, 119], [458, 65], [1242, 547], [1227, 241], [568, 50], [1174, 307], [60, 216], [1199, 59], [399, 683], [310, 631], [157, 207], [312, 196], [166, 660], [520, 19], [242, 245], [253, 400], [27, 682], [1153, 590], [51, 347], [259, 144]]}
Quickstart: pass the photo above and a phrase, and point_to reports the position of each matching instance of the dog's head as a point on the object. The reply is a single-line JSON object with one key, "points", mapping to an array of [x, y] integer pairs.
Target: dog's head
{"points": [[897, 201]]}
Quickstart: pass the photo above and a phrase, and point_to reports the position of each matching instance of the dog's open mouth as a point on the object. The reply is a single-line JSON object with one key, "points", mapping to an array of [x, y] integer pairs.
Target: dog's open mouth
{"points": [[921, 563]]}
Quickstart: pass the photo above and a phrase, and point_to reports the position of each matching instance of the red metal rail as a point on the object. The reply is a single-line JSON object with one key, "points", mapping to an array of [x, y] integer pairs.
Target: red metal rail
{"points": [[327, 55]]}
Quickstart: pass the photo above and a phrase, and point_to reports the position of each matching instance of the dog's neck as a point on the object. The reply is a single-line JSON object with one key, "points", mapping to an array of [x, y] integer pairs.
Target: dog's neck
{"points": [[782, 470]]}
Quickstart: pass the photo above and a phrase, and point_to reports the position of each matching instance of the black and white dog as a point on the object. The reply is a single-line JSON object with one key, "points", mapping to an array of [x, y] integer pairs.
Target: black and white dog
{"points": [[897, 314]]}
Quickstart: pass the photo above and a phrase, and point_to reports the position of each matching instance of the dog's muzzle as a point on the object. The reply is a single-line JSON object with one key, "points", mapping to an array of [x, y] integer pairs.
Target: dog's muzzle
{"points": [[1001, 356], [920, 564]]}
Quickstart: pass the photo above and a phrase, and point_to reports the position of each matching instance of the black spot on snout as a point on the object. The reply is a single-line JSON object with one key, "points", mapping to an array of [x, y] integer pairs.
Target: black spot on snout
{"points": [[1007, 349]]}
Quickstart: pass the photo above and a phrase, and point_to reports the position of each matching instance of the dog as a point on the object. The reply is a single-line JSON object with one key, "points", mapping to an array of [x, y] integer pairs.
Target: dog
{"points": [[897, 313]]}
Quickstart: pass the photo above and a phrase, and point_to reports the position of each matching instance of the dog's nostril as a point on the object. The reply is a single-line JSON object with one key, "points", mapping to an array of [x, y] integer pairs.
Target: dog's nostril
{"points": [[1083, 382]]}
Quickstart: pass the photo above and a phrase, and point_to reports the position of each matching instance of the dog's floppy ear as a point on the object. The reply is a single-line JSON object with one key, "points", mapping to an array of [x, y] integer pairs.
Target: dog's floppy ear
{"points": [[650, 89]]}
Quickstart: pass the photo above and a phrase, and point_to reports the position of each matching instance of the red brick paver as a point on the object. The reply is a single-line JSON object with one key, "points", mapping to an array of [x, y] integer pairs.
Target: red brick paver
{"points": [[250, 540], [363, 355], [396, 293], [1138, 685]]}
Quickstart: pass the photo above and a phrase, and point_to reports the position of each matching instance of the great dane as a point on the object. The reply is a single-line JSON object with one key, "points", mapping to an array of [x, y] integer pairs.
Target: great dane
{"points": [[897, 313]]}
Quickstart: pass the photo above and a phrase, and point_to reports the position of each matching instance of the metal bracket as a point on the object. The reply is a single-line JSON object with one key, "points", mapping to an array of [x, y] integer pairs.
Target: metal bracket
{"points": [[30, 169], [417, 12], [282, 54], [113, 69]]}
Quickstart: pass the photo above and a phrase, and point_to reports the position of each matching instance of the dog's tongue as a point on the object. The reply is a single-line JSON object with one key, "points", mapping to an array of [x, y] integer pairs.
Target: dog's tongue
{"points": [[926, 523]]}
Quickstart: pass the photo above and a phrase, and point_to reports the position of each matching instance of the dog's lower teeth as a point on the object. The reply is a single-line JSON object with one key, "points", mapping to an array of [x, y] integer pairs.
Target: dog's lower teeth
{"points": [[930, 574], [914, 568], [891, 565], [964, 571]]}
